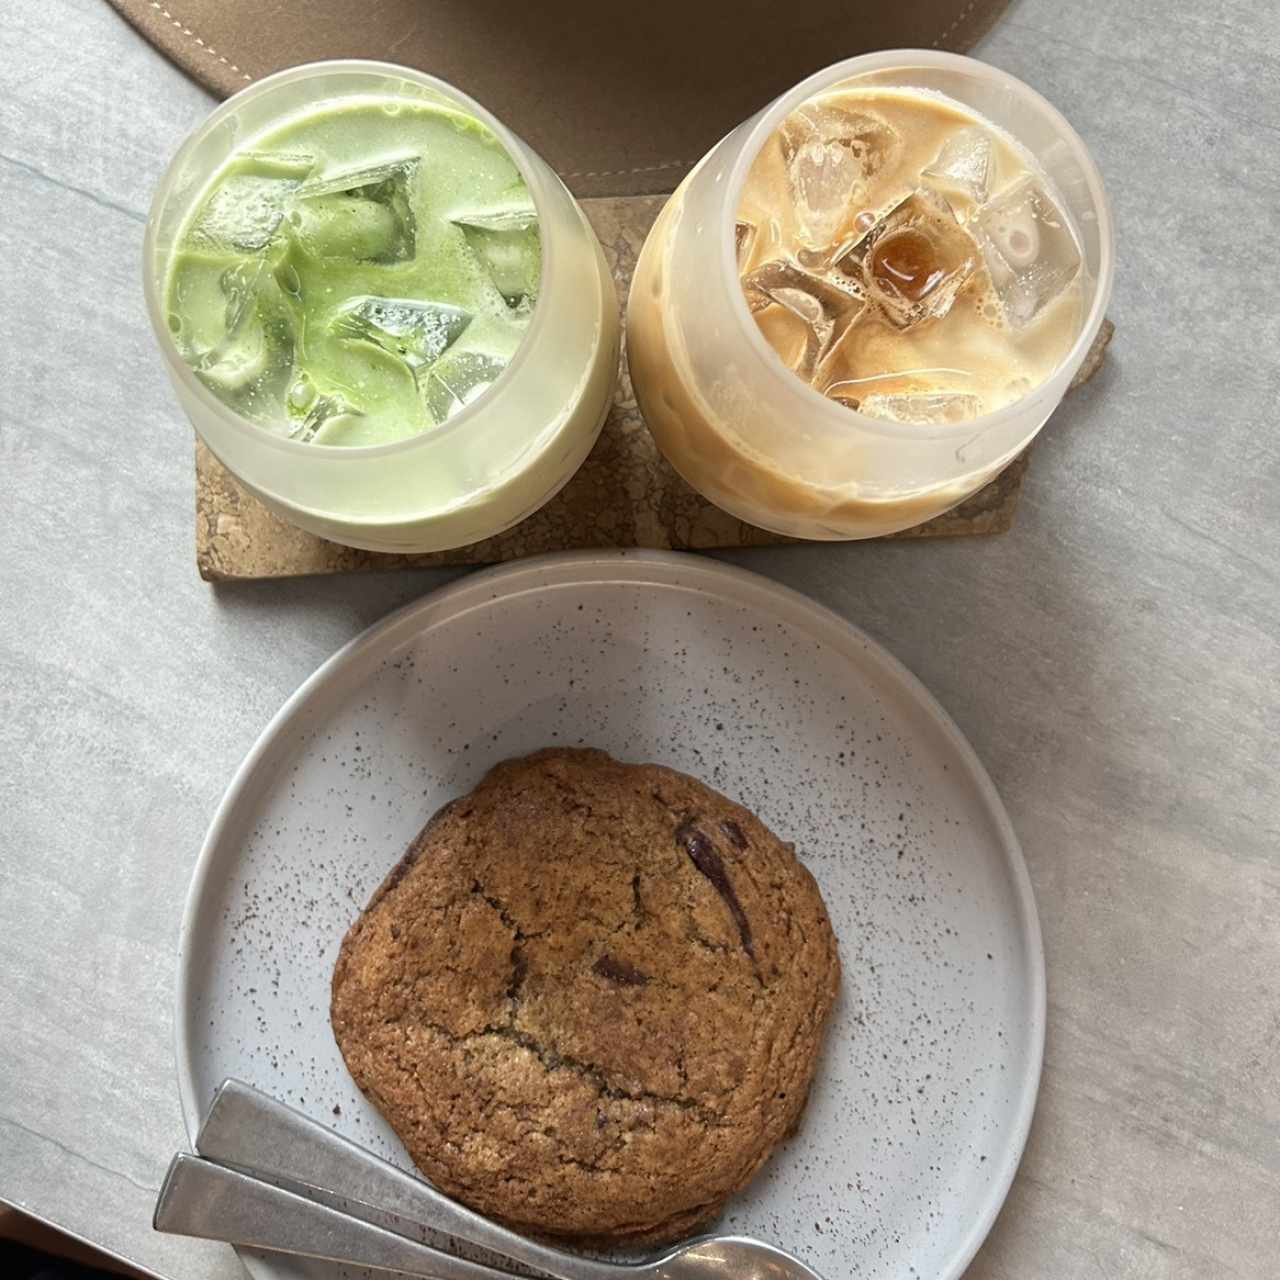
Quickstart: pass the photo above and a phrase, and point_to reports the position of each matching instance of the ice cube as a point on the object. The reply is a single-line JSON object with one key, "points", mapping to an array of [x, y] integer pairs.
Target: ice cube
{"points": [[366, 214], [828, 306], [252, 364], [322, 409], [456, 379], [297, 165], [920, 408], [245, 210], [1031, 251], [512, 258], [240, 286], [830, 153], [914, 260], [343, 227], [513, 210], [241, 358], [963, 164], [416, 332], [744, 235]]}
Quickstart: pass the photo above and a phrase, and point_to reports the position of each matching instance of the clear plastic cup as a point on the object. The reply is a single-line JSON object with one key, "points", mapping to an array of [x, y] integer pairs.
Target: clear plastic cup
{"points": [[492, 463], [758, 441]]}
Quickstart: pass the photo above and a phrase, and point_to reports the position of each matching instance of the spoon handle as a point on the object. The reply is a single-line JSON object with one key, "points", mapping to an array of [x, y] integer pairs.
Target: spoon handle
{"points": [[213, 1203], [249, 1130]]}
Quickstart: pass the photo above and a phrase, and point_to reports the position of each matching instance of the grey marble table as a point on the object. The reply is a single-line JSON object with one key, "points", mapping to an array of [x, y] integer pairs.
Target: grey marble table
{"points": [[1115, 659]]}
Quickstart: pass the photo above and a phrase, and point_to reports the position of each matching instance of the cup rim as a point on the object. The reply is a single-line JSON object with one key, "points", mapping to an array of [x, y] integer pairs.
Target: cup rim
{"points": [[517, 151], [838, 417]]}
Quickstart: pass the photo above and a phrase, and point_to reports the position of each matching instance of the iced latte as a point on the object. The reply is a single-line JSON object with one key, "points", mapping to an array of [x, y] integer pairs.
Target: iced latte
{"points": [[906, 285]]}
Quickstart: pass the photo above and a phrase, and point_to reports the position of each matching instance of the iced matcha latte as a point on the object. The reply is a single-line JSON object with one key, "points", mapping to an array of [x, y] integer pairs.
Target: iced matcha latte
{"points": [[343, 264], [358, 274]]}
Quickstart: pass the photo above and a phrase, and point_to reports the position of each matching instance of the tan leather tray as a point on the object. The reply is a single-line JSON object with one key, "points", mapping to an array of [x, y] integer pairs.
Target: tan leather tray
{"points": [[621, 99]]}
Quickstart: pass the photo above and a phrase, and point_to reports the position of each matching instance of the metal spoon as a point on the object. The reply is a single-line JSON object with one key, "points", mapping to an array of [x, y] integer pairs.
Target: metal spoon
{"points": [[250, 1131], [200, 1198]]}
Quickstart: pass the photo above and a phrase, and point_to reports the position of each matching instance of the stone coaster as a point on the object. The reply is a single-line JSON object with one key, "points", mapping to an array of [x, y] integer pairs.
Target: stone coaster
{"points": [[625, 495]]}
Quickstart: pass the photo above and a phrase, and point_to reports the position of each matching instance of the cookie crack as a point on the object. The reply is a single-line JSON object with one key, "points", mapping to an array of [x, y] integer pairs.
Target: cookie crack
{"points": [[519, 933], [500, 907], [707, 944], [519, 936], [553, 1060], [519, 968]]}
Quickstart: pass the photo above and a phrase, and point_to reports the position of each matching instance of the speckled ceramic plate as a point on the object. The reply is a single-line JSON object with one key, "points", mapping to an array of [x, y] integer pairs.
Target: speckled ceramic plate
{"points": [[926, 1089]]}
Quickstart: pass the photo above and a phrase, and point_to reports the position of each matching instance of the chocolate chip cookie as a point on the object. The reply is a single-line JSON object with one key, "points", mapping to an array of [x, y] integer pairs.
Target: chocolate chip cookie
{"points": [[590, 998]]}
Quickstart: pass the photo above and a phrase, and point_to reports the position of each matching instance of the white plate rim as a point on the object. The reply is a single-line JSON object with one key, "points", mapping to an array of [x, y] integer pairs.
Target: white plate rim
{"points": [[664, 568]]}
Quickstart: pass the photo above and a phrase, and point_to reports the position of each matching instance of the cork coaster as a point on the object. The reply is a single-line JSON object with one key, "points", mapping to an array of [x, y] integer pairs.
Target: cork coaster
{"points": [[625, 495]]}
